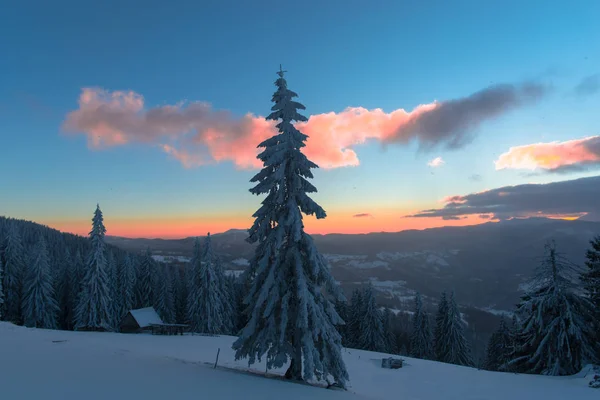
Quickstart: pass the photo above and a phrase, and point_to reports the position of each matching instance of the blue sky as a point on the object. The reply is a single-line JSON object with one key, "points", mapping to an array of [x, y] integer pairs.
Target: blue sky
{"points": [[381, 54]]}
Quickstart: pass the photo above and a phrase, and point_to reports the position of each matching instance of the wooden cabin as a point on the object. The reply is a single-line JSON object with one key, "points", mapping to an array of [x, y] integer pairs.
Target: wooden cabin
{"points": [[140, 320]]}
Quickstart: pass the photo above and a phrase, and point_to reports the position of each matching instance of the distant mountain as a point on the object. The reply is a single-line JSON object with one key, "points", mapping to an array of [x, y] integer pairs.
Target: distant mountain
{"points": [[487, 265]]}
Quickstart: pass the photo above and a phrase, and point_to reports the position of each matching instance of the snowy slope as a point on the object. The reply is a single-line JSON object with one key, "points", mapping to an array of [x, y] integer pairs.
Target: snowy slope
{"points": [[95, 366]]}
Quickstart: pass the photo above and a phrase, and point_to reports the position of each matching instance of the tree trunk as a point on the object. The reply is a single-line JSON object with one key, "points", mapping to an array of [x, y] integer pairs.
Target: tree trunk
{"points": [[294, 371]]}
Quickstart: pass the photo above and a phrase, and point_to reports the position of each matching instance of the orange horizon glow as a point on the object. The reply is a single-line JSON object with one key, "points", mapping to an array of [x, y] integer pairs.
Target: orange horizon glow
{"points": [[177, 228]]}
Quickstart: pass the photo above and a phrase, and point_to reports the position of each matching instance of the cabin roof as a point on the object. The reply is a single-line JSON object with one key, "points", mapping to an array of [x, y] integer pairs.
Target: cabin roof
{"points": [[146, 317]]}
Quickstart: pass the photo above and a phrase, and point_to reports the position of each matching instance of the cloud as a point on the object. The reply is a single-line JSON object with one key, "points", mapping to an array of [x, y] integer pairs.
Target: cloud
{"points": [[566, 199], [568, 156], [476, 178], [588, 86], [436, 162], [363, 215], [196, 134]]}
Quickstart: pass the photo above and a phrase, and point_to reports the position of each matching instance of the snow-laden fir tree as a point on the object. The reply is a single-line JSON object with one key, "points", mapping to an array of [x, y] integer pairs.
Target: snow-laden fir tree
{"points": [[226, 298], [94, 309], [127, 285], [40, 308], [499, 348], [182, 295], [343, 311], [453, 347], [372, 336], [556, 337], [14, 268], [63, 292], [591, 285], [290, 316], [145, 280], [421, 341], [192, 276], [391, 340], [75, 279], [209, 303], [355, 312], [1, 289], [440, 326], [165, 304], [112, 274]]}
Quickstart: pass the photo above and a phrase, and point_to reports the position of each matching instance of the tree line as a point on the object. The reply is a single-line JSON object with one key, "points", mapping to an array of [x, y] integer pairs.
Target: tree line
{"points": [[54, 280], [556, 325]]}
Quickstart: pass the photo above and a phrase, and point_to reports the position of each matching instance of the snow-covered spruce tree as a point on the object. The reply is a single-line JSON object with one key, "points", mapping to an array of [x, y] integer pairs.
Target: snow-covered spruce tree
{"points": [[209, 302], [226, 298], [1, 289], [145, 281], [64, 290], [290, 317], [181, 296], [165, 304], [391, 340], [75, 279], [192, 276], [40, 308], [499, 348], [127, 278], [94, 309], [591, 285], [372, 336], [440, 326], [342, 309], [453, 347], [14, 269], [112, 274], [556, 337], [355, 312], [421, 342]]}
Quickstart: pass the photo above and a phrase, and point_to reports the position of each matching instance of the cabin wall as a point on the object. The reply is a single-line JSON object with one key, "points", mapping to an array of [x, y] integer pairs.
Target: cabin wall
{"points": [[129, 325]]}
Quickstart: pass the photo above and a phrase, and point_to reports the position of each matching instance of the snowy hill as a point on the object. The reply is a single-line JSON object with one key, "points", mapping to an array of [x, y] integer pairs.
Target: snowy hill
{"points": [[63, 365]]}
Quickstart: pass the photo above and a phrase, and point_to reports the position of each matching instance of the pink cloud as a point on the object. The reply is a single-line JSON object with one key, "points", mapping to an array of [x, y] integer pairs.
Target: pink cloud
{"points": [[553, 156], [436, 162], [196, 134]]}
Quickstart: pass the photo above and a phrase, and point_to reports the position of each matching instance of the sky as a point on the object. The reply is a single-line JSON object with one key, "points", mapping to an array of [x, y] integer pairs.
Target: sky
{"points": [[421, 114]]}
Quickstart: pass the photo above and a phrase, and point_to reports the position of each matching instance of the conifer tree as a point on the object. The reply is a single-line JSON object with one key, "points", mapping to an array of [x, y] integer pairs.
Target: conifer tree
{"points": [[226, 296], [75, 280], [499, 349], [112, 274], [208, 297], [421, 342], [451, 345], [145, 281], [372, 336], [343, 311], [290, 317], [193, 278], [440, 326], [1, 289], [591, 285], [94, 309], [556, 337], [165, 304], [355, 312], [391, 343], [182, 295], [127, 285], [40, 308], [14, 268], [64, 290]]}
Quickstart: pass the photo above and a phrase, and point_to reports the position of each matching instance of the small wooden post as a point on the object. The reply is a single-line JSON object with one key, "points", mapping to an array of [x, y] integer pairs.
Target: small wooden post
{"points": [[217, 360]]}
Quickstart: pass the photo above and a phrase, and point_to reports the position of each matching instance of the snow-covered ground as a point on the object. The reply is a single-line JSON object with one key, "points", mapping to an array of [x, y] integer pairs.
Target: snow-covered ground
{"points": [[53, 365]]}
